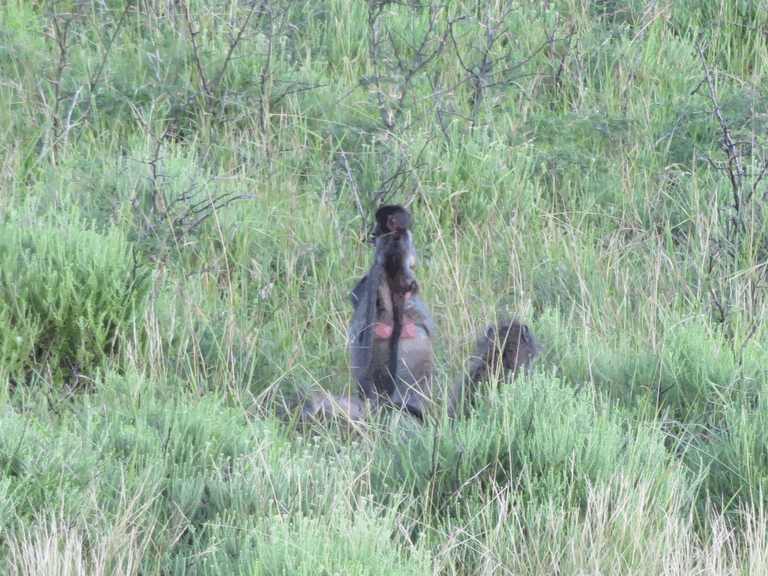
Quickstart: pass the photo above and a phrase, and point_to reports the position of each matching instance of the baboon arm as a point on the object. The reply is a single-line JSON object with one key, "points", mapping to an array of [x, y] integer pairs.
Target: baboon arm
{"points": [[359, 292], [363, 323], [359, 335]]}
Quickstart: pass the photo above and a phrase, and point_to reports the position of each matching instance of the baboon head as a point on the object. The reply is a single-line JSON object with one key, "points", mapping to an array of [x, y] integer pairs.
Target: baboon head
{"points": [[391, 219], [510, 342], [514, 342], [395, 221]]}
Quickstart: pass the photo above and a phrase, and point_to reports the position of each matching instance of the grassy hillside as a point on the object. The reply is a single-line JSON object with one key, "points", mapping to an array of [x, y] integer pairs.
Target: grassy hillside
{"points": [[185, 193]]}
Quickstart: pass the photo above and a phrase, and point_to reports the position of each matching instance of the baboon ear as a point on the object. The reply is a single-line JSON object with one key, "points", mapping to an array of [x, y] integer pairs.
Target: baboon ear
{"points": [[526, 333]]}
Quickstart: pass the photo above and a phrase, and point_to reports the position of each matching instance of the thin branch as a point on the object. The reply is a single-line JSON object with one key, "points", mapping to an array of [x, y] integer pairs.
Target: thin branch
{"points": [[196, 50], [734, 157], [373, 16]]}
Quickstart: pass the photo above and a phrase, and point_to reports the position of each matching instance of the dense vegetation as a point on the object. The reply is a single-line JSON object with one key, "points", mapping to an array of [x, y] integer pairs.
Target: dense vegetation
{"points": [[186, 189]]}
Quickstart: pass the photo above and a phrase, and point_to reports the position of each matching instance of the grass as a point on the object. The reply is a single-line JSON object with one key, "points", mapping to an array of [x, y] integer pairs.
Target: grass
{"points": [[185, 193]]}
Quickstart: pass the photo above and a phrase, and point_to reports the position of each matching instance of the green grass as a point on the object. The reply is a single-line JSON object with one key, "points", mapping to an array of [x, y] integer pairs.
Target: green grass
{"points": [[181, 229]]}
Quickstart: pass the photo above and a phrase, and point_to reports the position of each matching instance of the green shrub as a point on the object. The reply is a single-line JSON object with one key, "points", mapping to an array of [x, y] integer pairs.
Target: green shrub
{"points": [[542, 438], [67, 293]]}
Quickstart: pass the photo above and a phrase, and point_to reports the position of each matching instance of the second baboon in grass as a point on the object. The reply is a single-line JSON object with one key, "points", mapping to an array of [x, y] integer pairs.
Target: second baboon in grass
{"points": [[510, 344]]}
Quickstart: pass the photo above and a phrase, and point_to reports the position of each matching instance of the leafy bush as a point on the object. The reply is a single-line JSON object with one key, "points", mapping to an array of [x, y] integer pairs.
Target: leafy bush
{"points": [[67, 293]]}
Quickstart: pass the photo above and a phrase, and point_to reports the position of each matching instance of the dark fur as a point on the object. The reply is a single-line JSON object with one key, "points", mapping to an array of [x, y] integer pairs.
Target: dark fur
{"points": [[380, 293], [510, 342], [394, 243], [388, 218], [365, 300]]}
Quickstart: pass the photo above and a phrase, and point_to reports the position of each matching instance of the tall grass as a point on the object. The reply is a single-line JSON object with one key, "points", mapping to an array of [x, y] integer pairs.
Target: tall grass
{"points": [[186, 191]]}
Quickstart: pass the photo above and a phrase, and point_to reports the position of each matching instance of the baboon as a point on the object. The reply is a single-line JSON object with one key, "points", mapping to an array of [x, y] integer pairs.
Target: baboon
{"points": [[393, 249], [391, 346], [513, 343]]}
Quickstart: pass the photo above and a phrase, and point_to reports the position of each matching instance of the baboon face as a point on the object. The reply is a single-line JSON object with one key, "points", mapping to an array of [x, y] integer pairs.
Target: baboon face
{"points": [[395, 220], [411, 258], [396, 256], [515, 343], [394, 251], [399, 222]]}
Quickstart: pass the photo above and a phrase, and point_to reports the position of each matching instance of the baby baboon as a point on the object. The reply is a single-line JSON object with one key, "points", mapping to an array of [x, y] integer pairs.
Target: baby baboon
{"points": [[513, 343], [391, 332]]}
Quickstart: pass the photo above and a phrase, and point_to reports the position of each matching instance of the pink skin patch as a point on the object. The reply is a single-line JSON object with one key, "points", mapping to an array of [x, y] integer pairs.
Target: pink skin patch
{"points": [[383, 330]]}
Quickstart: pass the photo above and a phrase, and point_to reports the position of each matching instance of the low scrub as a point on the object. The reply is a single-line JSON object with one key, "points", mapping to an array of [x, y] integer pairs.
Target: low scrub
{"points": [[67, 293]]}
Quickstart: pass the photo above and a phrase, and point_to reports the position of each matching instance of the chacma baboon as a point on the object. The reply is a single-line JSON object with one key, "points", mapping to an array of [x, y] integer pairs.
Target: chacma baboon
{"points": [[391, 332], [510, 342], [393, 250]]}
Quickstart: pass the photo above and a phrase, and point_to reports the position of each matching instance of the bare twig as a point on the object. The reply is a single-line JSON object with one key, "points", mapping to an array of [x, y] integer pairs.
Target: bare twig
{"points": [[264, 78], [61, 22], [559, 57], [261, 10], [193, 39], [733, 168], [733, 253], [481, 63], [190, 208], [374, 12]]}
